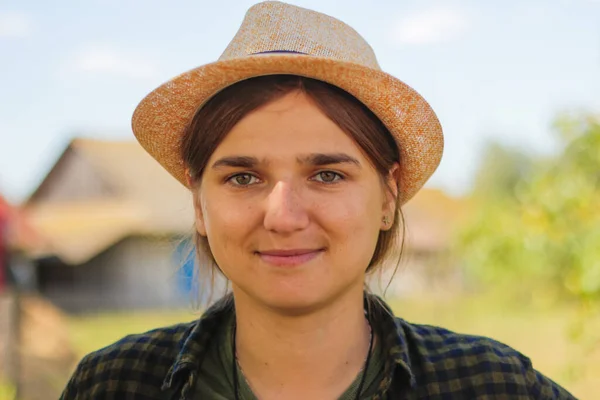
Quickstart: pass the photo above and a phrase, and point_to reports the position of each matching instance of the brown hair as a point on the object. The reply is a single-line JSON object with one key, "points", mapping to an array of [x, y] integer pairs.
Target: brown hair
{"points": [[215, 119]]}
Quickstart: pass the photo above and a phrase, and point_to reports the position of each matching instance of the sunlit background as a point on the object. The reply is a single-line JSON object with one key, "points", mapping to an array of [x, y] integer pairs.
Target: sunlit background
{"points": [[503, 242]]}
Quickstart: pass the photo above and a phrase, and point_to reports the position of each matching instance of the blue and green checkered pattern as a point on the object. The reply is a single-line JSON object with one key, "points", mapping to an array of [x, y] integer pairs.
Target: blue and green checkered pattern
{"points": [[423, 362]]}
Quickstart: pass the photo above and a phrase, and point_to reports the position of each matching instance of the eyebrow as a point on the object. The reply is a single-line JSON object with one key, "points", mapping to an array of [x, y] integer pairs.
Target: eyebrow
{"points": [[321, 159], [236, 162], [315, 159]]}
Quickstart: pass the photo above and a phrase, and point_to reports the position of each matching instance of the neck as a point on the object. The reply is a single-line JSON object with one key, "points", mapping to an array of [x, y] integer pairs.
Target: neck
{"points": [[316, 355]]}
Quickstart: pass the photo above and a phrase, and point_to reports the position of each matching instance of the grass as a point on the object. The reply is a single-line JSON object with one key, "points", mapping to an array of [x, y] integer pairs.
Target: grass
{"points": [[540, 332], [7, 391], [91, 332]]}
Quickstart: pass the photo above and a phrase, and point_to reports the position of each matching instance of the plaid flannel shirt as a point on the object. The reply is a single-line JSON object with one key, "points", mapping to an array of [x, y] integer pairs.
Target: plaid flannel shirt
{"points": [[423, 362]]}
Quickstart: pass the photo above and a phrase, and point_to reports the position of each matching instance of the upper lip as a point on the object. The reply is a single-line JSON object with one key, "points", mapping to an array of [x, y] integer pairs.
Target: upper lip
{"points": [[288, 253]]}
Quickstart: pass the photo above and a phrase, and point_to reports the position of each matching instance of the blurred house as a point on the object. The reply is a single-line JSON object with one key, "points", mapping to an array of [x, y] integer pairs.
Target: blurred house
{"points": [[111, 218], [427, 264]]}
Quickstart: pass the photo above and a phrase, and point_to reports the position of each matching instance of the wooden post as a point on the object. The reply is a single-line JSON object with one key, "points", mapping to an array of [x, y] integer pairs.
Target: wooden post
{"points": [[10, 319], [14, 350], [9, 336]]}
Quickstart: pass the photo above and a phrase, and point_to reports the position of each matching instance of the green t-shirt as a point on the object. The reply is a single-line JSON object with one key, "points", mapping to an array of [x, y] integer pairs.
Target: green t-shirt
{"points": [[215, 380]]}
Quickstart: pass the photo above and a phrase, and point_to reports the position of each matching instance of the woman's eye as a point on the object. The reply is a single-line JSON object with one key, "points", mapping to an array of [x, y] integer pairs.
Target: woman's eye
{"points": [[328, 177], [243, 179]]}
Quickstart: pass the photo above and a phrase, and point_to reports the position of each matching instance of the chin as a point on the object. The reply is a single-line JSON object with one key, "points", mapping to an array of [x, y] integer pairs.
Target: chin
{"points": [[298, 302], [299, 291], [295, 307]]}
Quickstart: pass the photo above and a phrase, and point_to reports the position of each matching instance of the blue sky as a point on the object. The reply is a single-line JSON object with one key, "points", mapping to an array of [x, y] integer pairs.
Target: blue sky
{"points": [[493, 70]]}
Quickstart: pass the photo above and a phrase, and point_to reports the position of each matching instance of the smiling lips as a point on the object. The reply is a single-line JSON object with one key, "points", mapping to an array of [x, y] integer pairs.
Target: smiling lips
{"points": [[288, 258]]}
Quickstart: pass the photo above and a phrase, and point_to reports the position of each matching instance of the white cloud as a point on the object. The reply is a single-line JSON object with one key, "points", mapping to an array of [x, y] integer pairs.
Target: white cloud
{"points": [[431, 26], [15, 25], [109, 61]]}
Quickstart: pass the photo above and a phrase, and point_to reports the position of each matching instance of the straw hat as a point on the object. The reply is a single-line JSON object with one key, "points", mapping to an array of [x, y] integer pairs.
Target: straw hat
{"points": [[278, 38]]}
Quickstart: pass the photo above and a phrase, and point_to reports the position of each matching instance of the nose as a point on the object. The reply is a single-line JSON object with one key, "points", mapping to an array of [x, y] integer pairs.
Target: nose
{"points": [[285, 211]]}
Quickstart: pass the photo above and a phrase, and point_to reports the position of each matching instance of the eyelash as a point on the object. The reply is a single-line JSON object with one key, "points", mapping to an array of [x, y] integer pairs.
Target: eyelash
{"points": [[231, 179], [338, 177]]}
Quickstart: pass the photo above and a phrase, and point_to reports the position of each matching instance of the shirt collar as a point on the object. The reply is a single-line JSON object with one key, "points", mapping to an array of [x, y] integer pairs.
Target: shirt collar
{"points": [[397, 368], [192, 347]]}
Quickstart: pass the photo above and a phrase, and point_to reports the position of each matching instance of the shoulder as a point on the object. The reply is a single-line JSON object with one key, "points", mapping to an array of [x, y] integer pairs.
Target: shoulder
{"points": [[156, 347], [444, 361], [436, 344], [133, 365]]}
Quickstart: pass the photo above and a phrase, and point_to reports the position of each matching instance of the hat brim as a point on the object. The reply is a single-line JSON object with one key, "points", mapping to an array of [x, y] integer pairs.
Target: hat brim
{"points": [[160, 119]]}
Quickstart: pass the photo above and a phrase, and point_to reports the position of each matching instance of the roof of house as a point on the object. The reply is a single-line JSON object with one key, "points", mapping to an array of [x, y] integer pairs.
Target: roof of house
{"points": [[432, 218], [145, 200]]}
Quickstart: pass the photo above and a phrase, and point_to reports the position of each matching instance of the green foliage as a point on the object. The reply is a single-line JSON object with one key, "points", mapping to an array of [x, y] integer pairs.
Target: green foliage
{"points": [[535, 227], [7, 391], [502, 171]]}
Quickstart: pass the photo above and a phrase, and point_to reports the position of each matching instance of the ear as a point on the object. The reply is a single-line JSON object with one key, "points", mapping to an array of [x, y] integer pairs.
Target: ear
{"points": [[390, 196], [188, 177], [198, 212], [197, 201]]}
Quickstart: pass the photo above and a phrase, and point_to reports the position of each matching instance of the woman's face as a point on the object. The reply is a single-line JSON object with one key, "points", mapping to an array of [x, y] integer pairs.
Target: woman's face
{"points": [[291, 207]]}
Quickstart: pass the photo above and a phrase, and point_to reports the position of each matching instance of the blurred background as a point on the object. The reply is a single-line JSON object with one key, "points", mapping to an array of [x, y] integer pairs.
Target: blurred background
{"points": [[503, 242]]}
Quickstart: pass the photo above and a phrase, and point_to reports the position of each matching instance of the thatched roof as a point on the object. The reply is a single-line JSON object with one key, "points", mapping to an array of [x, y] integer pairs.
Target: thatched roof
{"points": [[137, 197]]}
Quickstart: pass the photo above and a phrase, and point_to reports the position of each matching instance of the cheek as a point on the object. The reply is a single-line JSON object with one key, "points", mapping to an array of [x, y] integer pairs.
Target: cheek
{"points": [[359, 209], [228, 224], [353, 222]]}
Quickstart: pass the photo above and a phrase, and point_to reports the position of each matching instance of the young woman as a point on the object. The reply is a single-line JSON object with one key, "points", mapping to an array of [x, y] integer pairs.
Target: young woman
{"points": [[299, 152]]}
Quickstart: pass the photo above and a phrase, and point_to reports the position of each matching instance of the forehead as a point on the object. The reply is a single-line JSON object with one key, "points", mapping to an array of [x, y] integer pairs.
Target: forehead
{"points": [[287, 127]]}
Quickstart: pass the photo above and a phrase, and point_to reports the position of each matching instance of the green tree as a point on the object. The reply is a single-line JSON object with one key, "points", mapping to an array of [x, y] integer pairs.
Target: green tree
{"points": [[535, 227], [502, 170]]}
